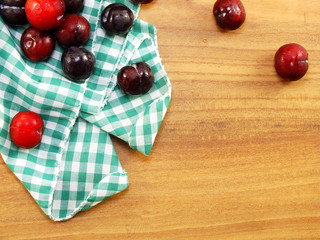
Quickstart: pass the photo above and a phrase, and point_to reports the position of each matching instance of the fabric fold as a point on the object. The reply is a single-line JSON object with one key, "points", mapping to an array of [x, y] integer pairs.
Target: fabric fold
{"points": [[38, 87], [107, 49], [136, 119], [75, 167], [89, 172]]}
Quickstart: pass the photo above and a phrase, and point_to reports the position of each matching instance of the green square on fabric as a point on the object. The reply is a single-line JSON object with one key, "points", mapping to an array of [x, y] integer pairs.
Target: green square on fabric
{"points": [[75, 167]]}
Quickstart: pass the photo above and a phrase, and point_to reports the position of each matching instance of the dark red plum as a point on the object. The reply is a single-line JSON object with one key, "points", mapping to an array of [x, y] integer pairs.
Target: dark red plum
{"points": [[73, 6], [78, 63], [117, 18], [74, 31], [142, 1], [229, 14], [291, 61], [13, 12], [136, 79], [37, 45]]}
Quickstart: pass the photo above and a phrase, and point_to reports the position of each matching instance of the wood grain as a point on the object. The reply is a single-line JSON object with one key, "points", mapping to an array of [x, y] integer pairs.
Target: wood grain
{"points": [[238, 154]]}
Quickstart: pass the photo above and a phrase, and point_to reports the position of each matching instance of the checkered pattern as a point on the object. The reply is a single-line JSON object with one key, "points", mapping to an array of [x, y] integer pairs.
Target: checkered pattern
{"points": [[107, 51], [75, 167], [40, 88], [90, 171], [136, 119]]}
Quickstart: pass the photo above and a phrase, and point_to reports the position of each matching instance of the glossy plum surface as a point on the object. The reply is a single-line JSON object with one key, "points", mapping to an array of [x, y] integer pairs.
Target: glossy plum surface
{"points": [[13, 12], [291, 61], [229, 14], [26, 129], [142, 1], [45, 14], [74, 6], [73, 31], [78, 63], [117, 18], [36, 44], [136, 79]]}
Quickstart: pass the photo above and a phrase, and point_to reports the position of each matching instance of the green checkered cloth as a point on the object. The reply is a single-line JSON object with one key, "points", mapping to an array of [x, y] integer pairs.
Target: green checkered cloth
{"points": [[75, 167], [90, 171], [107, 51], [136, 119]]}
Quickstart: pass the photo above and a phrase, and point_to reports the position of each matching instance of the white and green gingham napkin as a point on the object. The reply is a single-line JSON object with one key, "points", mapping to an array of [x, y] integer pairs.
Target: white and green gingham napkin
{"points": [[75, 167]]}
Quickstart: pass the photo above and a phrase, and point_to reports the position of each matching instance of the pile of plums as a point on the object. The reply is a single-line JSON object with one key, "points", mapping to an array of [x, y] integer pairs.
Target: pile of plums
{"points": [[59, 20], [51, 21]]}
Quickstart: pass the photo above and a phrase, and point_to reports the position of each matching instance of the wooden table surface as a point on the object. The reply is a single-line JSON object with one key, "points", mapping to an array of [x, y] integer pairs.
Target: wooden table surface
{"points": [[238, 153]]}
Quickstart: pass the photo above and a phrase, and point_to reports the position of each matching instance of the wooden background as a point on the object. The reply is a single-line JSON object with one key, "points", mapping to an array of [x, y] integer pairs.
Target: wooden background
{"points": [[238, 154]]}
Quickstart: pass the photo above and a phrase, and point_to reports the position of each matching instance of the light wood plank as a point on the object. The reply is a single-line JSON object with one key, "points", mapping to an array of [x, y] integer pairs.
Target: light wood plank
{"points": [[238, 154]]}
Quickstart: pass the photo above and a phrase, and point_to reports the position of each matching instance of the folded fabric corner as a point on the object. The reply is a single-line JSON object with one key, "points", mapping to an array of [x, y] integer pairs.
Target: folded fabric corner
{"points": [[145, 130], [89, 172], [76, 167], [136, 119]]}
